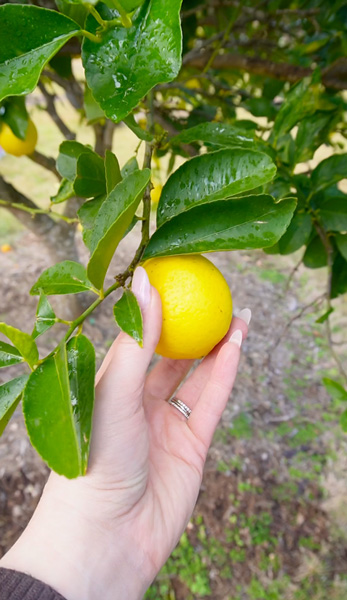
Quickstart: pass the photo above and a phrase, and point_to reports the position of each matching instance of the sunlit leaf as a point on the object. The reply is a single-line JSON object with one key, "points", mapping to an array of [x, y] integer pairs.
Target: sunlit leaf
{"points": [[23, 342], [128, 316], [66, 277], [10, 396]]}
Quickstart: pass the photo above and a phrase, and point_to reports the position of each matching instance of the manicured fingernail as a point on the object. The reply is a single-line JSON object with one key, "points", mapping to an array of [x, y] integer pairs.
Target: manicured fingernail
{"points": [[141, 287], [245, 315], [236, 337]]}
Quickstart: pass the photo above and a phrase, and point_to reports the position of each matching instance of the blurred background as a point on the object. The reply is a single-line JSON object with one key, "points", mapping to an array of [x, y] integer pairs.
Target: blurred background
{"points": [[270, 522]]}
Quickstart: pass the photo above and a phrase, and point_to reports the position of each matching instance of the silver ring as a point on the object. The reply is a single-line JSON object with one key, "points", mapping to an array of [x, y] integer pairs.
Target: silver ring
{"points": [[183, 408]]}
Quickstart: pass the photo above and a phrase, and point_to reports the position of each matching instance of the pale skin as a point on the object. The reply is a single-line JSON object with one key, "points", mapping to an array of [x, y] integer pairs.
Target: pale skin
{"points": [[106, 535]]}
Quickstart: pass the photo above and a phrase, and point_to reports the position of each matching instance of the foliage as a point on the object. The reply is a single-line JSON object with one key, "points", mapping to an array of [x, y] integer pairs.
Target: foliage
{"points": [[246, 183]]}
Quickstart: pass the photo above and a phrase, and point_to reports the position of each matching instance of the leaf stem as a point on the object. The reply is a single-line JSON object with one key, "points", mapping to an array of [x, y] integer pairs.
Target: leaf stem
{"points": [[93, 38], [126, 21], [37, 211]]}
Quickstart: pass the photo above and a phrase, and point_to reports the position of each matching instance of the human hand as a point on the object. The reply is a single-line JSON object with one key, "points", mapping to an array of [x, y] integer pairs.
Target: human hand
{"points": [[106, 535]]}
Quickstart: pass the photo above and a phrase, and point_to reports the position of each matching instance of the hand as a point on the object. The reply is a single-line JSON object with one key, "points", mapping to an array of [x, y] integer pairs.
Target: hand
{"points": [[106, 535]]}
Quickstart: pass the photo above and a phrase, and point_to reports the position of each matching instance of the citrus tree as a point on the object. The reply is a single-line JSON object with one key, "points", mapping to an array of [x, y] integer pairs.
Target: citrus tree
{"points": [[239, 188]]}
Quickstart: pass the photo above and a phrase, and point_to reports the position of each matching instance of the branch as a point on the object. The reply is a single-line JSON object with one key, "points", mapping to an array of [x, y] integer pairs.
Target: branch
{"points": [[333, 77], [72, 88], [37, 211], [45, 161], [52, 111]]}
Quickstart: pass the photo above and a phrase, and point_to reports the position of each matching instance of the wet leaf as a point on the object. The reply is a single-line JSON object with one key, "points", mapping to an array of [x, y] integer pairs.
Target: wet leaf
{"points": [[112, 171], [218, 134], [87, 215], [130, 166], [10, 396], [235, 224], [69, 152], [128, 316], [23, 342], [112, 220], [45, 317], [212, 177], [58, 406], [66, 277], [30, 37], [142, 134], [90, 175], [9, 355], [128, 62]]}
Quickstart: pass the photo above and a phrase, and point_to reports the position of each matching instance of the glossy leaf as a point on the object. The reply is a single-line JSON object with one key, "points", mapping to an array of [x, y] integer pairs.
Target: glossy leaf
{"points": [[49, 415], [329, 171], [87, 215], [339, 277], [235, 224], [128, 316], [66, 277], [16, 116], [218, 134], [128, 62], [65, 192], [90, 176], [315, 255], [211, 177], [81, 370], [130, 166], [30, 36], [112, 171], [113, 219], [341, 241], [45, 317], [297, 234], [23, 342], [69, 152], [335, 389], [142, 134], [10, 395], [92, 109], [9, 355]]}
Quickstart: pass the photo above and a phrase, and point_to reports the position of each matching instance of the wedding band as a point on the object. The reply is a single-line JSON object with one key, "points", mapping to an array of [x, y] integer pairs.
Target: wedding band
{"points": [[183, 408]]}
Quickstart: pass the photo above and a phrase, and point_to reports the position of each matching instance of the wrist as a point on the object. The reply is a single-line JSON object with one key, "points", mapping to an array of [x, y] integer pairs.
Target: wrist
{"points": [[77, 556]]}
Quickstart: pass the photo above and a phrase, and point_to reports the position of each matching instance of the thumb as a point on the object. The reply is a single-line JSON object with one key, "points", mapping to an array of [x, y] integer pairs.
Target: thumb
{"points": [[121, 378]]}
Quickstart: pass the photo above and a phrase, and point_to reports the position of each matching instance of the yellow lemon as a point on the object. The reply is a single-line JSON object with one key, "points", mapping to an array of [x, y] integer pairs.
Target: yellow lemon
{"points": [[155, 194], [14, 145], [197, 304]]}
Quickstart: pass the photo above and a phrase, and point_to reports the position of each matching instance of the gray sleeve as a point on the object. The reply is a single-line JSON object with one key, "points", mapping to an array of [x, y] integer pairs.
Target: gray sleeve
{"points": [[19, 586]]}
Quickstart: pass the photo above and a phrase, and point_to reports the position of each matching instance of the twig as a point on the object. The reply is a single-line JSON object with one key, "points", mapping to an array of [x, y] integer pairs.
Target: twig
{"points": [[291, 275], [72, 88], [44, 161], [317, 300], [37, 211], [52, 111]]}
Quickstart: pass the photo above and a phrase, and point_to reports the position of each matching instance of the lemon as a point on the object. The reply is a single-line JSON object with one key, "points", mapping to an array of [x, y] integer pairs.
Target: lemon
{"points": [[14, 145], [196, 301], [155, 194]]}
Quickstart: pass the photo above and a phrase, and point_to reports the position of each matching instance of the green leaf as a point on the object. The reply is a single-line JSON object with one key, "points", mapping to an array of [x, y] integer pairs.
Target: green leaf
{"points": [[65, 192], [128, 62], [315, 255], [23, 342], [128, 316], [218, 134], [45, 317], [311, 134], [58, 406], [333, 213], [335, 390], [90, 176], [112, 171], [341, 241], [81, 368], [66, 277], [130, 166], [69, 152], [16, 116], [343, 421], [10, 395], [94, 112], [211, 177], [9, 355], [235, 224], [30, 36], [297, 234], [113, 218], [339, 277], [87, 215], [329, 171], [142, 134], [325, 316]]}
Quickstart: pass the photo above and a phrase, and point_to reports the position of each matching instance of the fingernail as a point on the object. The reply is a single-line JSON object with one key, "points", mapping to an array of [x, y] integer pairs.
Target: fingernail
{"points": [[245, 315], [236, 337], [141, 287]]}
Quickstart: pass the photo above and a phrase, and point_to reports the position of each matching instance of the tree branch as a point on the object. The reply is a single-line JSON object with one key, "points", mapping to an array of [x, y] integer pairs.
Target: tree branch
{"points": [[334, 77], [72, 88], [45, 161], [52, 111]]}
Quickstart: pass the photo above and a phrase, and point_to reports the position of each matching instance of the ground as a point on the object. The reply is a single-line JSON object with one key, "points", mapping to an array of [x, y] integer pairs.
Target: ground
{"points": [[269, 522]]}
